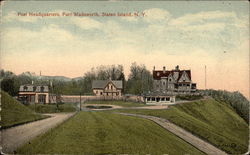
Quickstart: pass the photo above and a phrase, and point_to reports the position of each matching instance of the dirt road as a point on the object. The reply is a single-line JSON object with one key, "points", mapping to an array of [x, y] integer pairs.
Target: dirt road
{"points": [[14, 137], [183, 134]]}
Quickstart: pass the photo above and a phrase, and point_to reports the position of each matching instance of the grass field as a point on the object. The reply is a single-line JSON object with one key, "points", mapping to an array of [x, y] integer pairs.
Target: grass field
{"points": [[213, 121], [107, 133], [119, 103], [52, 108], [14, 113]]}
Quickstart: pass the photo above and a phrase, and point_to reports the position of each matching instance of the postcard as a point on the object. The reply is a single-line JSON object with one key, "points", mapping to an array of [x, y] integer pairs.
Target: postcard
{"points": [[124, 77]]}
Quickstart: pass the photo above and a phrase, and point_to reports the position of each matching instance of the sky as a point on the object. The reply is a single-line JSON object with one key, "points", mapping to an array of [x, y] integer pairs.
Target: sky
{"points": [[191, 34]]}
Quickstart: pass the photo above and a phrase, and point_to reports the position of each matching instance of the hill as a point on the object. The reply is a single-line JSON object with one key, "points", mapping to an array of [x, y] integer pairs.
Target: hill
{"points": [[14, 113], [211, 120], [107, 133]]}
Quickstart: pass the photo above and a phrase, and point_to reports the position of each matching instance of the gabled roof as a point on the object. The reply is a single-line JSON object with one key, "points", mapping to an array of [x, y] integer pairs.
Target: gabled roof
{"points": [[158, 74], [182, 72], [33, 88], [100, 84]]}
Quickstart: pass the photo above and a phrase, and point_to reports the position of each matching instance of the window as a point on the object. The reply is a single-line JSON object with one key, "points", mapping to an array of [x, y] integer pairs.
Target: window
{"points": [[163, 83], [101, 93], [169, 79], [42, 89], [158, 74], [25, 88], [117, 93], [111, 87], [96, 92]]}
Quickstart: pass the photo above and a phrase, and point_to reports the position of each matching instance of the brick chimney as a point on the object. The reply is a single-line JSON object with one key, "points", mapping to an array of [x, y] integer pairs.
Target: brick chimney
{"points": [[164, 69], [177, 67]]}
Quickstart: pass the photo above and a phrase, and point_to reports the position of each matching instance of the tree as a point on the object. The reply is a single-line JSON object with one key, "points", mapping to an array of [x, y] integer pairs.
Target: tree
{"points": [[140, 79], [7, 85]]}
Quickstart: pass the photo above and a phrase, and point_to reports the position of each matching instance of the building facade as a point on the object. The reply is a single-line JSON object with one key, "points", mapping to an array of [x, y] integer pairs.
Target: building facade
{"points": [[29, 94], [107, 87], [175, 80]]}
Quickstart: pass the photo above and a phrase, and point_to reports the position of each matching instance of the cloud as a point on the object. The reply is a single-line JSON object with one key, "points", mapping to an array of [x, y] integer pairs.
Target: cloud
{"points": [[201, 17], [156, 15], [86, 23]]}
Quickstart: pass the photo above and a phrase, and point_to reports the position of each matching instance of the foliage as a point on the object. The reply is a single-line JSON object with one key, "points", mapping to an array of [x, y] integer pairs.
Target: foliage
{"points": [[213, 121], [140, 80], [14, 113], [106, 133], [234, 99], [52, 108], [189, 97]]}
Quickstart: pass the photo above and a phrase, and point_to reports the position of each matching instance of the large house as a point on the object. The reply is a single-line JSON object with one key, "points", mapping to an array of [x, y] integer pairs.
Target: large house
{"points": [[107, 87], [34, 94], [175, 80], [168, 83]]}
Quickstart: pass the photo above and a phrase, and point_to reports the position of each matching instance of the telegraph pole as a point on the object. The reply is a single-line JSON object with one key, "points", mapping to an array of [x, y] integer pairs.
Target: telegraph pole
{"points": [[205, 77]]}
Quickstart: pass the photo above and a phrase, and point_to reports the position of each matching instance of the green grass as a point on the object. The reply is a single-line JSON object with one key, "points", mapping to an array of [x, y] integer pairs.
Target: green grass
{"points": [[15, 113], [107, 133], [119, 103], [213, 121], [52, 108]]}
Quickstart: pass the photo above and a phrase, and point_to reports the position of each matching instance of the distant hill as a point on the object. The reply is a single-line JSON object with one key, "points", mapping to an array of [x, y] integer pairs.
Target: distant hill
{"points": [[59, 78], [14, 113], [46, 77]]}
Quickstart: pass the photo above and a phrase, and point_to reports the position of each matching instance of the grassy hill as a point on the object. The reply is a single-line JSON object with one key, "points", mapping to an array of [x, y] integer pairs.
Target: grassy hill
{"points": [[14, 113], [107, 133], [213, 121], [119, 103]]}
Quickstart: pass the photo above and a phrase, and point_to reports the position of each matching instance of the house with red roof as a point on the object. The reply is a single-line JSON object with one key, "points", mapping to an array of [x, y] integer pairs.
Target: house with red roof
{"points": [[175, 80]]}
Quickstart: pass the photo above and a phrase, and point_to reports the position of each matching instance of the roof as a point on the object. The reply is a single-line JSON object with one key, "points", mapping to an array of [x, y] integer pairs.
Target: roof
{"points": [[158, 74], [102, 83], [33, 88]]}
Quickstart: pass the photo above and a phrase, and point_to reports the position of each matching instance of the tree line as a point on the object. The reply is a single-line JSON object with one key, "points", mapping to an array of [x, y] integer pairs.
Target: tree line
{"points": [[139, 80]]}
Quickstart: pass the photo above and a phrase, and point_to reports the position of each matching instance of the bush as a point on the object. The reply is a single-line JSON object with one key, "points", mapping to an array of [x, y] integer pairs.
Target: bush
{"points": [[52, 108], [189, 97]]}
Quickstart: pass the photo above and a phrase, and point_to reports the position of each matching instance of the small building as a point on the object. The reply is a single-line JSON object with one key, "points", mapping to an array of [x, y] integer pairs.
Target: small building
{"points": [[107, 87], [34, 94], [159, 98]]}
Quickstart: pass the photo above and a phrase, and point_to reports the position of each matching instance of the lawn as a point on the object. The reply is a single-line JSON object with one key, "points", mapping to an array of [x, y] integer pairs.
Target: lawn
{"points": [[52, 108], [119, 103], [15, 113], [107, 133], [213, 121]]}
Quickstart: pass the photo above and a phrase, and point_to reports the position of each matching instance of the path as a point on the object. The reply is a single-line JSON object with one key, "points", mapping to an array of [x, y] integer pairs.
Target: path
{"points": [[14, 137], [183, 134]]}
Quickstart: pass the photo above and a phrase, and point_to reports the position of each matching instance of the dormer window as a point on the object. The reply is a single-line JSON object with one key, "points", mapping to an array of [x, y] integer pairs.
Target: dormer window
{"points": [[158, 73], [25, 88]]}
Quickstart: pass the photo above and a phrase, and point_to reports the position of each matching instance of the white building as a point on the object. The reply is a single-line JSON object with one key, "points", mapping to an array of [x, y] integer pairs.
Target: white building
{"points": [[107, 87]]}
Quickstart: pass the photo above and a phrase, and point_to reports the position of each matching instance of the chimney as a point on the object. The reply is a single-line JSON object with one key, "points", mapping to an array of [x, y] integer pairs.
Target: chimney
{"points": [[154, 68], [177, 67], [164, 69]]}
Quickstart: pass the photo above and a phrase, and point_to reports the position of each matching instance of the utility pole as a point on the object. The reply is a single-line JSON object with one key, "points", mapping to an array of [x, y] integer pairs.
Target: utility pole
{"points": [[80, 100], [205, 77]]}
